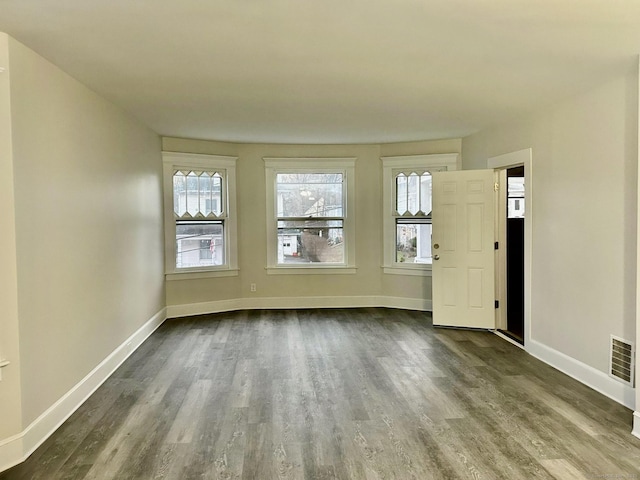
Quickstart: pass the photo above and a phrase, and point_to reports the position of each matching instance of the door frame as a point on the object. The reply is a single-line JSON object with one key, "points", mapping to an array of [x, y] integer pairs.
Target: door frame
{"points": [[502, 163]]}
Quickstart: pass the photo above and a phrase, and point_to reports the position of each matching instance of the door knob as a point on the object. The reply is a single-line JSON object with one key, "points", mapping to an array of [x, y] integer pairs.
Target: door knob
{"points": [[436, 257]]}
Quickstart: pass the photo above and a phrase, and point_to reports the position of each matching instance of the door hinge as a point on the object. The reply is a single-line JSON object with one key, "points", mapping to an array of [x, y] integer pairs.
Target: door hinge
{"points": [[496, 187], [495, 246], [497, 304]]}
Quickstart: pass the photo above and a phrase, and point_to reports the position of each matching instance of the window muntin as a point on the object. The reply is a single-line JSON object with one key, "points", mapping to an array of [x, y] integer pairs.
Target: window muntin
{"points": [[310, 215], [199, 221], [413, 192], [197, 193]]}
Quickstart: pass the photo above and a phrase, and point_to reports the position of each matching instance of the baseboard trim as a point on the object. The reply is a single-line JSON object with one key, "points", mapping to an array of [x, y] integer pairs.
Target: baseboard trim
{"points": [[584, 373], [12, 452], [271, 303], [16, 449], [636, 424]]}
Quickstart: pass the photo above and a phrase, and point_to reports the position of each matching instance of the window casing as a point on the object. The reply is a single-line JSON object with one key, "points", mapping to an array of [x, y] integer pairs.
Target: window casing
{"points": [[310, 213], [200, 221], [407, 196]]}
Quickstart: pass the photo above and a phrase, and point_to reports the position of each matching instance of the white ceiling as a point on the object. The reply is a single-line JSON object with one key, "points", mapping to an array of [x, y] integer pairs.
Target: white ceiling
{"points": [[330, 71]]}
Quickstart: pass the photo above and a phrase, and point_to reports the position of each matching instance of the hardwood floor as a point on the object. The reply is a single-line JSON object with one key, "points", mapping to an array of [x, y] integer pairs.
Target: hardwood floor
{"points": [[336, 394]]}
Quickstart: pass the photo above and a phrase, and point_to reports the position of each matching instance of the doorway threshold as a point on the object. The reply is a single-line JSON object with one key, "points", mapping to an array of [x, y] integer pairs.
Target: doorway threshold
{"points": [[510, 337]]}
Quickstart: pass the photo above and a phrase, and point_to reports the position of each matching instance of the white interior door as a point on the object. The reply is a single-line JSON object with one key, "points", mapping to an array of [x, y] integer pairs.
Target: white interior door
{"points": [[463, 248]]}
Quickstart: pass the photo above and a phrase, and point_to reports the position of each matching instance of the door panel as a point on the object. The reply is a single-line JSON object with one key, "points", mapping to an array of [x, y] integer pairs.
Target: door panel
{"points": [[475, 281], [450, 287], [475, 219], [463, 237], [448, 217]]}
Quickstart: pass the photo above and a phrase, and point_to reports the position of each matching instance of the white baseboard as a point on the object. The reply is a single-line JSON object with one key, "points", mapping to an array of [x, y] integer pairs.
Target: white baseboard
{"points": [[636, 424], [16, 449], [270, 303], [584, 373], [420, 304], [11, 452]]}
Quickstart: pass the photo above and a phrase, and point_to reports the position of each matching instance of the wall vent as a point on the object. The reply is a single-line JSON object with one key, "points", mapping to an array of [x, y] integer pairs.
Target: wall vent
{"points": [[622, 360]]}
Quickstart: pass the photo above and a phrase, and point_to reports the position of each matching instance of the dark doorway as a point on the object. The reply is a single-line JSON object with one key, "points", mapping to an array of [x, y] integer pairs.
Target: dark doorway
{"points": [[515, 253]]}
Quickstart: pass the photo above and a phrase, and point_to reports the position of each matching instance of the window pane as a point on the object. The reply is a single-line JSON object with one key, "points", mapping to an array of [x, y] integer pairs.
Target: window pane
{"points": [[205, 191], [413, 242], [192, 194], [401, 194], [425, 193], [199, 244], [310, 241], [413, 198], [216, 194], [179, 193], [309, 194], [210, 194]]}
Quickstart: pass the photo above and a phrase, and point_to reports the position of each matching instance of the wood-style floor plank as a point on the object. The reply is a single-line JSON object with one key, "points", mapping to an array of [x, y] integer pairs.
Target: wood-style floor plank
{"points": [[362, 394]]}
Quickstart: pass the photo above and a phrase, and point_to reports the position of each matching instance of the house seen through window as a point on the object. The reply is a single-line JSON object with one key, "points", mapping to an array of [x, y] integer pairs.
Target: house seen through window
{"points": [[310, 218]]}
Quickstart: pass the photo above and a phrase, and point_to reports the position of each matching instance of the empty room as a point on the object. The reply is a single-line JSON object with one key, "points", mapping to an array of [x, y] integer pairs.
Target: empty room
{"points": [[319, 240]]}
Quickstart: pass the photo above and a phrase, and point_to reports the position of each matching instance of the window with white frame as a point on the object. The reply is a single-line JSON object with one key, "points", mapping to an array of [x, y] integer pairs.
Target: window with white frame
{"points": [[310, 214], [407, 191], [200, 218]]}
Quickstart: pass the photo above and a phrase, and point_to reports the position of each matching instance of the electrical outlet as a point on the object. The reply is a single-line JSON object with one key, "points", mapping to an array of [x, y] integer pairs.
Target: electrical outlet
{"points": [[253, 287]]}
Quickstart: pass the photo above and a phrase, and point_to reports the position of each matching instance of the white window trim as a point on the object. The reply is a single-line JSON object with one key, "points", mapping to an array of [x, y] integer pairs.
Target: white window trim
{"points": [[176, 160], [345, 165], [446, 161]]}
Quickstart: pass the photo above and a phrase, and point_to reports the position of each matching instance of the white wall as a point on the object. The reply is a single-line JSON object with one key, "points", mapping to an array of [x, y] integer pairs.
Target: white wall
{"points": [[367, 285], [88, 222], [585, 155], [11, 411], [636, 415]]}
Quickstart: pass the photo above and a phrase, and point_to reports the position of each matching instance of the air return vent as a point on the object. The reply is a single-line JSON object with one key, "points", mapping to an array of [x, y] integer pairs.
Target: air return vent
{"points": [[622, 360]]}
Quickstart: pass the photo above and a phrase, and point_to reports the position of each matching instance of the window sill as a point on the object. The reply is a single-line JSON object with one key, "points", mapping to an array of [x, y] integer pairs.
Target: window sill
{"points": [[304, 270], [194, 275], [421, 271]]}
